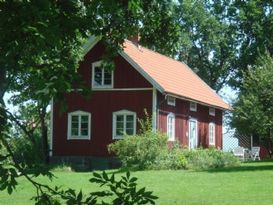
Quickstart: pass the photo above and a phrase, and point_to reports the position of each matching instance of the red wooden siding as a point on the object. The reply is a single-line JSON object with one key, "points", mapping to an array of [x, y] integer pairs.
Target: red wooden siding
{"points": [[182, 116], [125, 76], [101, 105]]}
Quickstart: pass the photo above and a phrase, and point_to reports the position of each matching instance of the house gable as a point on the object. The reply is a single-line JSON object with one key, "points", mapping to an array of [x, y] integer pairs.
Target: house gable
{"points": [[124, 75]]}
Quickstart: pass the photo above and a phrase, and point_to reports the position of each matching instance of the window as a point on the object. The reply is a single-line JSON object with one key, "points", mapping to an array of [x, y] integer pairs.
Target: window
{"points": [[171, 100], [193, 106], [212, 111], [79, 124], [101, 78], [124, 122], [211, 133], [171, 127]]}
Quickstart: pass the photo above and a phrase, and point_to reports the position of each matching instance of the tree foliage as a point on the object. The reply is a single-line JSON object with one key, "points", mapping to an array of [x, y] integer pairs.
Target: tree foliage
{"points": [[40, 50], [254, 24], [253, 111]]}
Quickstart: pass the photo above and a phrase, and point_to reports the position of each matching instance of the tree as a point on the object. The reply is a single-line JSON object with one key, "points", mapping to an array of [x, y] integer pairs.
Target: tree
{"points": [[253, 111], [41, 47], [207, 39], [254, 24]]}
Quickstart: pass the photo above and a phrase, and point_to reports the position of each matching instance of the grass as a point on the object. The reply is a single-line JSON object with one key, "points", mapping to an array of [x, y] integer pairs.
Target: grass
{"points": [[249, 184]]}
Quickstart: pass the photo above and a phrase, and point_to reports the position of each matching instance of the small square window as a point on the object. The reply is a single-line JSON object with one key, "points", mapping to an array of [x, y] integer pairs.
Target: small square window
{"points": [[212, 111], [171, 100], [193, 106]]}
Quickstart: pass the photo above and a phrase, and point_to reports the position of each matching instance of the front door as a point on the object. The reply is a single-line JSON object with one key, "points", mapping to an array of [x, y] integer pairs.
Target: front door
{"points": [[192, 133]]}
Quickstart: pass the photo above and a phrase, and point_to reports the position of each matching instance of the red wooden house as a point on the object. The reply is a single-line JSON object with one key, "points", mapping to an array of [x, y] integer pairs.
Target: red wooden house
{"points": [[180, 103]]}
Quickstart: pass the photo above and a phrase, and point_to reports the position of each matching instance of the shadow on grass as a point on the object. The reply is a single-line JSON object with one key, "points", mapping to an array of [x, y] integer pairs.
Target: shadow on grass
{"points": [[249, 166]]}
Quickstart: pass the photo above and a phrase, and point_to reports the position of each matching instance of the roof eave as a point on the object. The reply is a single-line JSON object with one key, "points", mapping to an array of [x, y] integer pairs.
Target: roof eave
{"points": [[228, 108]]}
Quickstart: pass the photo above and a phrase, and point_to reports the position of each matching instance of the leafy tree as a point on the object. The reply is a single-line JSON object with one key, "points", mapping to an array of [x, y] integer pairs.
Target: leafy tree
{"points": [[207, 39], [253, 111], [41, 47], [254, 24]]}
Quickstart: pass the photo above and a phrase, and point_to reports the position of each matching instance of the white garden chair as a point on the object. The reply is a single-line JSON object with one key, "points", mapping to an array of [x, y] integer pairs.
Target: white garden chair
{"points": [[239, 152], [255, 153]]}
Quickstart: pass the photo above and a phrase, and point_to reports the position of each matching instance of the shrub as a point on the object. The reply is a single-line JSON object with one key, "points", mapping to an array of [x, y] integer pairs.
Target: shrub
{"points": [[170, 159], [139, 151], [201, 159]]}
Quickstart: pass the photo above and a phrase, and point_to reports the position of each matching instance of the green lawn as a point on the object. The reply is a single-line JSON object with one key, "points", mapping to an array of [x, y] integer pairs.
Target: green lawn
{"points": [[252, 183]]}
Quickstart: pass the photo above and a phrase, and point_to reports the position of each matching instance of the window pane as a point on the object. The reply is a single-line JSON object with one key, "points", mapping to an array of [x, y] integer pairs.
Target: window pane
{"points": [[130, 118], [120, 132], [119, 118], [129, 125], [84, 118], [129, 131], [98, 76], [119, 125], [107, 77], [75, 118], [74, 132], [84, 132]]}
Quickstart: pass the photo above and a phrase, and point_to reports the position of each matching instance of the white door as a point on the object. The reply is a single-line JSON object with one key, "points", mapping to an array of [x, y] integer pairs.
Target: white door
{"points": [[192, 133]]}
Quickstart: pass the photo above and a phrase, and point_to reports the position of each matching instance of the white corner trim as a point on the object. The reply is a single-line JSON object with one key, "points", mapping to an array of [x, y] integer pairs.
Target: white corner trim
{"points": [[51, 128], [141, 71], [154, 109]]}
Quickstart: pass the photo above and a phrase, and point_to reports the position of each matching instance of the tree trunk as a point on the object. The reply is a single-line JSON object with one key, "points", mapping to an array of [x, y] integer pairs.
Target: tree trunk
{"points": [[3, 88], [45, 150]]}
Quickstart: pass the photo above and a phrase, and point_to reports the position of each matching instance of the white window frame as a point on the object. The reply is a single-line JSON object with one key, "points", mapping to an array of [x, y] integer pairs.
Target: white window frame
{"points": [[171, 100], [193, 106], [94, 86], [212, 133], [211, 111], [171, 128], [124, 113], [78, 137]]}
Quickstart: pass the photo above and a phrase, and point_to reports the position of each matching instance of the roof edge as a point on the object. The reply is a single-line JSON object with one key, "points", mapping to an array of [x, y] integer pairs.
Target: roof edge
{"points": [[92, 41], [141, 71]]}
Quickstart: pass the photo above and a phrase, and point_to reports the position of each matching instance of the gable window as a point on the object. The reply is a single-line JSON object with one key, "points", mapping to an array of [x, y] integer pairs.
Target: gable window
{"points": [[211, 133], [193, 106], [212, 111], [79, 124], [171, 100], [101, 77], [124, 123], [171, 127]]}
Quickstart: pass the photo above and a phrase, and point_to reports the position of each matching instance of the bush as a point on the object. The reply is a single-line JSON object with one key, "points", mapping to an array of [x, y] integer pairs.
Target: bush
{"points": [[202, 159], [139, 151], [170, 159]]}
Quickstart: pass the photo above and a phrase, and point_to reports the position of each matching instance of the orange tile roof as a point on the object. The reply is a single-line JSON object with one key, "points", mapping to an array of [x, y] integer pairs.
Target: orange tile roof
{"points": [[170, 76]]}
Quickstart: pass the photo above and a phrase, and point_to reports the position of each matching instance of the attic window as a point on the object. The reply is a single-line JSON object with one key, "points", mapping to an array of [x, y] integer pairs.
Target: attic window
{"points": [[101, 77], [171, 100], [212, 111], [193, 106]]}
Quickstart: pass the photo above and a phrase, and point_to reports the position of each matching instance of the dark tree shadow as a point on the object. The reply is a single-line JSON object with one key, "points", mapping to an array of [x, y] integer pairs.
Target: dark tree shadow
{"points": [[250, 166]]}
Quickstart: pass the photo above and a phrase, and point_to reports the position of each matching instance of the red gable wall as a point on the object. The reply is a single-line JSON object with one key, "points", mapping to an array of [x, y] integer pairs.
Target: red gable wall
{"points": [[101, 105]]}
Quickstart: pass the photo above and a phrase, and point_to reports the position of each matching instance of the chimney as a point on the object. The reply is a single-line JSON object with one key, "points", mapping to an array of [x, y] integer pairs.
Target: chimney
{"points": [[135, 39]]}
